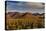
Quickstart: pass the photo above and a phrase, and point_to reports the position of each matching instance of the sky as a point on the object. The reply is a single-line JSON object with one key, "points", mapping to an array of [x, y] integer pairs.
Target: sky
{"points": [[20, 6]]}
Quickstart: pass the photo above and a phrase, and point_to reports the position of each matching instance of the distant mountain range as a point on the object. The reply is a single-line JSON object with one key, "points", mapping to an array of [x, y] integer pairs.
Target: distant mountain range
{"points": [[21, 15]]}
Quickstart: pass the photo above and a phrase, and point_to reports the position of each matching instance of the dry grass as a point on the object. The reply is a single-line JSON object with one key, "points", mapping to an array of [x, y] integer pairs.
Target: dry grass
{"points": [[24, 23]]}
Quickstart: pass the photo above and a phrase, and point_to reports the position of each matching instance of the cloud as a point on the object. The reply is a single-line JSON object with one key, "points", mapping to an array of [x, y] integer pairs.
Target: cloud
{"points": [[35, 4], [25, 6]]}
